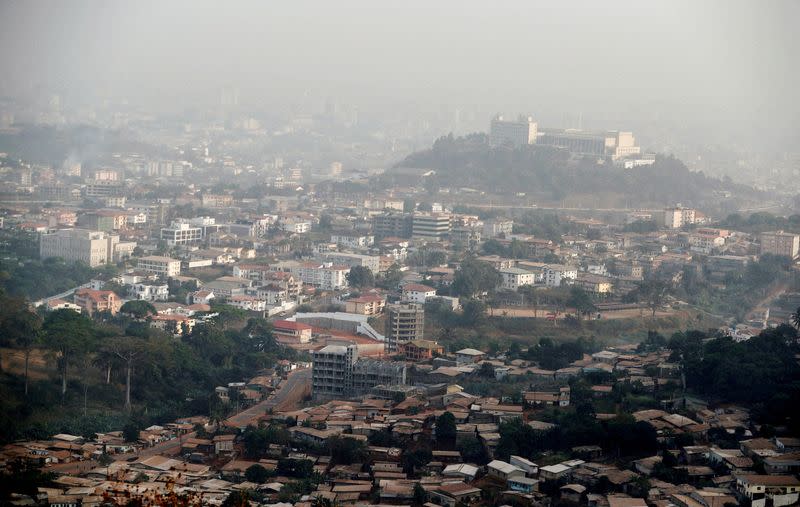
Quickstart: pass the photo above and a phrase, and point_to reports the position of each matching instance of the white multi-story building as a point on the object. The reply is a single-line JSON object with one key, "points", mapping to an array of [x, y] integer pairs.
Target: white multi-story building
{"points": [[557, 274], [181, 233], [162, 266], [705, 243], [352, 240], [372, 262], [675, 218], [274, 295], [149, 291], [432, 226], [513, 278], [324, 275], [249, 303], [296, 226], [495, 228], [417, 293], [91, 247]]}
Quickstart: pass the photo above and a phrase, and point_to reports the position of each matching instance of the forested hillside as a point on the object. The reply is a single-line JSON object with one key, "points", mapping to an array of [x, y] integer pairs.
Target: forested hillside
{"points": [[552, 174]]}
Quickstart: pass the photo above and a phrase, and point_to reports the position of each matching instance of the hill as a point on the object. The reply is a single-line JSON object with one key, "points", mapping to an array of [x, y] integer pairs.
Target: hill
{"points": [[550, 174]]}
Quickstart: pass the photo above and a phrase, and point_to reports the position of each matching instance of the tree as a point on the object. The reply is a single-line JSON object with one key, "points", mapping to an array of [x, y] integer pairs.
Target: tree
{"points": [[473, 312], [580, 300], [445, 428], [653, 293], [413, 459], [475, 277], [796, 318], [361, 277], [20, 327], [129, 350], [345, 450], [257, 473], [486, 370], [295, 467], [391, 278], [130, 432], [68, 333], [325, 222], [237, 499], [420, 495], [138, 309]]}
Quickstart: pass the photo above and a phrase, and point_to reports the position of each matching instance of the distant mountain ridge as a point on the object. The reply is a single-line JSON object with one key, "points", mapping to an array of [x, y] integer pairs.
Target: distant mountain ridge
{"points": [[552, 174]]}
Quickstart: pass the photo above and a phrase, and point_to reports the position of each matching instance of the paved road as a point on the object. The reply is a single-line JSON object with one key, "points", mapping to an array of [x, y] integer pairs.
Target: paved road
{"points": [[292, 391], [286, 397]]}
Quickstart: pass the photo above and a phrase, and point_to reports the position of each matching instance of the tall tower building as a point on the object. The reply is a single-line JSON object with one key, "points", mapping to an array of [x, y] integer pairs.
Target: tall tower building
{"points": [[513, 133], [404, 322]]}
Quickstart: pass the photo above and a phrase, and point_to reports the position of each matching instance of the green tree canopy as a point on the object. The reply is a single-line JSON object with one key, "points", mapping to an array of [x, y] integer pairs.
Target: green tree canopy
{"points": [[360, 277], [138, 309]]}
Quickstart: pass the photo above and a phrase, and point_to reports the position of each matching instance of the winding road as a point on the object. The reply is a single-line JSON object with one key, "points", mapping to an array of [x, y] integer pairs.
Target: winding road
{"points": [[286, 397]]}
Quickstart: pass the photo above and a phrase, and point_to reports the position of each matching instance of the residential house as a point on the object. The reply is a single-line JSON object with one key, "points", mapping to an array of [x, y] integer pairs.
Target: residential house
{"points": [[292, 332], [417, 293], [559, 398], [420, 350], [93, 301], [368, 304]]}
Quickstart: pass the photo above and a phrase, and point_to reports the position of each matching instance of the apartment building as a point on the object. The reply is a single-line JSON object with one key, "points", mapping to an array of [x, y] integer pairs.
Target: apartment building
{"points": [[371, 262], [94, 248], [392, 225], [417, 293], [352, 240], [273, 295], [368, 304], [332, 371], [102, 220], [338, 372], [162, 266], [513, 278], [557, 274], [322, 275], [248, 303], [675, 218], [296, 226], [181, 233], [498, 227], [594, 284], [431, 226], [780, 243], [404, 322]]}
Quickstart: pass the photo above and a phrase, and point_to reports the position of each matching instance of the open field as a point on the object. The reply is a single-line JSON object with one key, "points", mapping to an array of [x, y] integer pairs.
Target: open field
{"points": [[633, 313], [39, 364]]}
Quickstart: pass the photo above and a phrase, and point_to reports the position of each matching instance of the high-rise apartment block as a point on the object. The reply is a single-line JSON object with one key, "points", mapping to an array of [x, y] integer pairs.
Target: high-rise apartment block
{"points": [[432, 226], [675, 218], [392, 225], [780, 243], [404, 322], [337, 372]]}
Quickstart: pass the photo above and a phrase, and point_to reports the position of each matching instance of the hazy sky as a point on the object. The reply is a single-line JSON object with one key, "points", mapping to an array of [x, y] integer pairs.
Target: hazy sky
{"points": [[734, 55]]}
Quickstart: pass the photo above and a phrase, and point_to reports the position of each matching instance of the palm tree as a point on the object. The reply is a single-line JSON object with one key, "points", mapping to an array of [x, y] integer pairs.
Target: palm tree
{"points": [[796, 318]]}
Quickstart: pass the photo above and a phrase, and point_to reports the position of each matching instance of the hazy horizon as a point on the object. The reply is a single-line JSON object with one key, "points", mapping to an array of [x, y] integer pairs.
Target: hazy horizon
{"points": [[731, 61]]}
